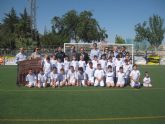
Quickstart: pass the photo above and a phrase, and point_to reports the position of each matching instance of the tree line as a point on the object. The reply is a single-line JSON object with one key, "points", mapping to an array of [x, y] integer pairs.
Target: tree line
{"points": [[16, 30]]}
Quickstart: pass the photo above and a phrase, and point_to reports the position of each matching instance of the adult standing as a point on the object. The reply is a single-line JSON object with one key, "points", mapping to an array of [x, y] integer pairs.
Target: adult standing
{"points": [[19, 57], [84, 54], [60, 54], [73, 52], [35, 54], [94, 51]]}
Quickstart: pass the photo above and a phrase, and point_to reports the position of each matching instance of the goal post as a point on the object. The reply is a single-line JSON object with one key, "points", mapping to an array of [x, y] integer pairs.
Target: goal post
{"points": [[101, 46]]}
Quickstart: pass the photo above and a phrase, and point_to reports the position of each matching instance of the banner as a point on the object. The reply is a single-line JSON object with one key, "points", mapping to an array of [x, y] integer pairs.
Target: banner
{"points": [[24, 66]]}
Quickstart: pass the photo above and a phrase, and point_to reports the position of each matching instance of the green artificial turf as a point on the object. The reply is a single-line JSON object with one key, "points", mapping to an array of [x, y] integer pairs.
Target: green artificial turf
{"points": [[85, 105]]}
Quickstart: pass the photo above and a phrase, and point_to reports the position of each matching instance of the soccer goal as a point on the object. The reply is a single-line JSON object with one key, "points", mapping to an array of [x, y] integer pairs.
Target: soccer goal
{"points": [[101, 46]]}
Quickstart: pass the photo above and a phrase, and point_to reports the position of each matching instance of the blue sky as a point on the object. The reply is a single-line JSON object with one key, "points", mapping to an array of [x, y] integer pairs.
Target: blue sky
{"points": [[116, 16]]}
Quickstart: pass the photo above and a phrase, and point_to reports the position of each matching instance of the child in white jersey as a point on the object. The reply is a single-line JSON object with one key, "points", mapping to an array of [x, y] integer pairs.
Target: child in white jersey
{"points": [[54, 78], [60, 65], [82, 63], [66, 64], [120, 78], [74, 62], [90, 74], [147, 80], [62, 78], [110, 77], [135, 77], [41, 79], [103, 62], [31, 79], [95, 61], [127, 69], [71, 77], [81, 77], [47, 70], [99, 76]]}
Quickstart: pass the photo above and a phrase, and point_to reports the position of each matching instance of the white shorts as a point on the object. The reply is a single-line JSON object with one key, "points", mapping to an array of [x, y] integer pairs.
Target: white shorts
{"points": [[120, 83], [97, 83], [32, 83], [91, 79], [147, 84], [110, 82], [132, 84]]}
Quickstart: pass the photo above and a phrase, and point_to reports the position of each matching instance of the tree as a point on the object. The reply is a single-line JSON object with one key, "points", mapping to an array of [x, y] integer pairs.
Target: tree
{"points": [[153, 31], [119, 40], [78, 27]]}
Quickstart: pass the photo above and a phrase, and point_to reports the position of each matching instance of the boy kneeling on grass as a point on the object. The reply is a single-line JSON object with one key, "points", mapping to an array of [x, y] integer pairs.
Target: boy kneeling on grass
{"points": [[31, 79], [135, 77]]}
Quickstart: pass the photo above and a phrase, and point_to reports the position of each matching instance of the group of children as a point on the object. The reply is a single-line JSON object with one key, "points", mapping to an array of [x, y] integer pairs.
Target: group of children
{"points": [[111, 72]]}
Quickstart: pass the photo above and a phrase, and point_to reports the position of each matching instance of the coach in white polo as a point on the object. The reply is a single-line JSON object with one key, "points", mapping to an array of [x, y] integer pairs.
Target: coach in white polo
{"points": [[20, 57]]}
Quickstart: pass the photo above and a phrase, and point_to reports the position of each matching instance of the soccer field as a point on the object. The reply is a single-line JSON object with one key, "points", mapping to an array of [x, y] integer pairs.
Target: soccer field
{"points": [[84, 105]]}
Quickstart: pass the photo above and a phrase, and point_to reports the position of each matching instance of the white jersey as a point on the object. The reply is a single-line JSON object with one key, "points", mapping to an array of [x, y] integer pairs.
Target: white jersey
{"points": [[90, 72], [99, 73], [94, 63], [53, 76], [109, 76], [74, 64], [82, 64], [59, 66], [94, 52], [120, 77], [53, 62], [41, 77], [127, 70], [118, 64], [66, 65], [103, 64], [71, 75], [20, 57], [147, 80], [47, 67], [31, 78], [135, 74]]}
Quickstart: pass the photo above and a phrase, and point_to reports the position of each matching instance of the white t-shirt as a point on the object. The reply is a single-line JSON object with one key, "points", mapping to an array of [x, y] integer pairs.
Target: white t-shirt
{"points": [[20, 57], [99, 73], [53, 62], [53, 76], [94, 63], [103, 64], [47, 67], [31, 78], [109, 76], [120, 77], [135, 74], [41, 77], [82, 64], [59, 66], [127, 70], [71, 75], [66, 65], [118, 64], [94, 52], [74, 64], [90, 72], [147, 80]]}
